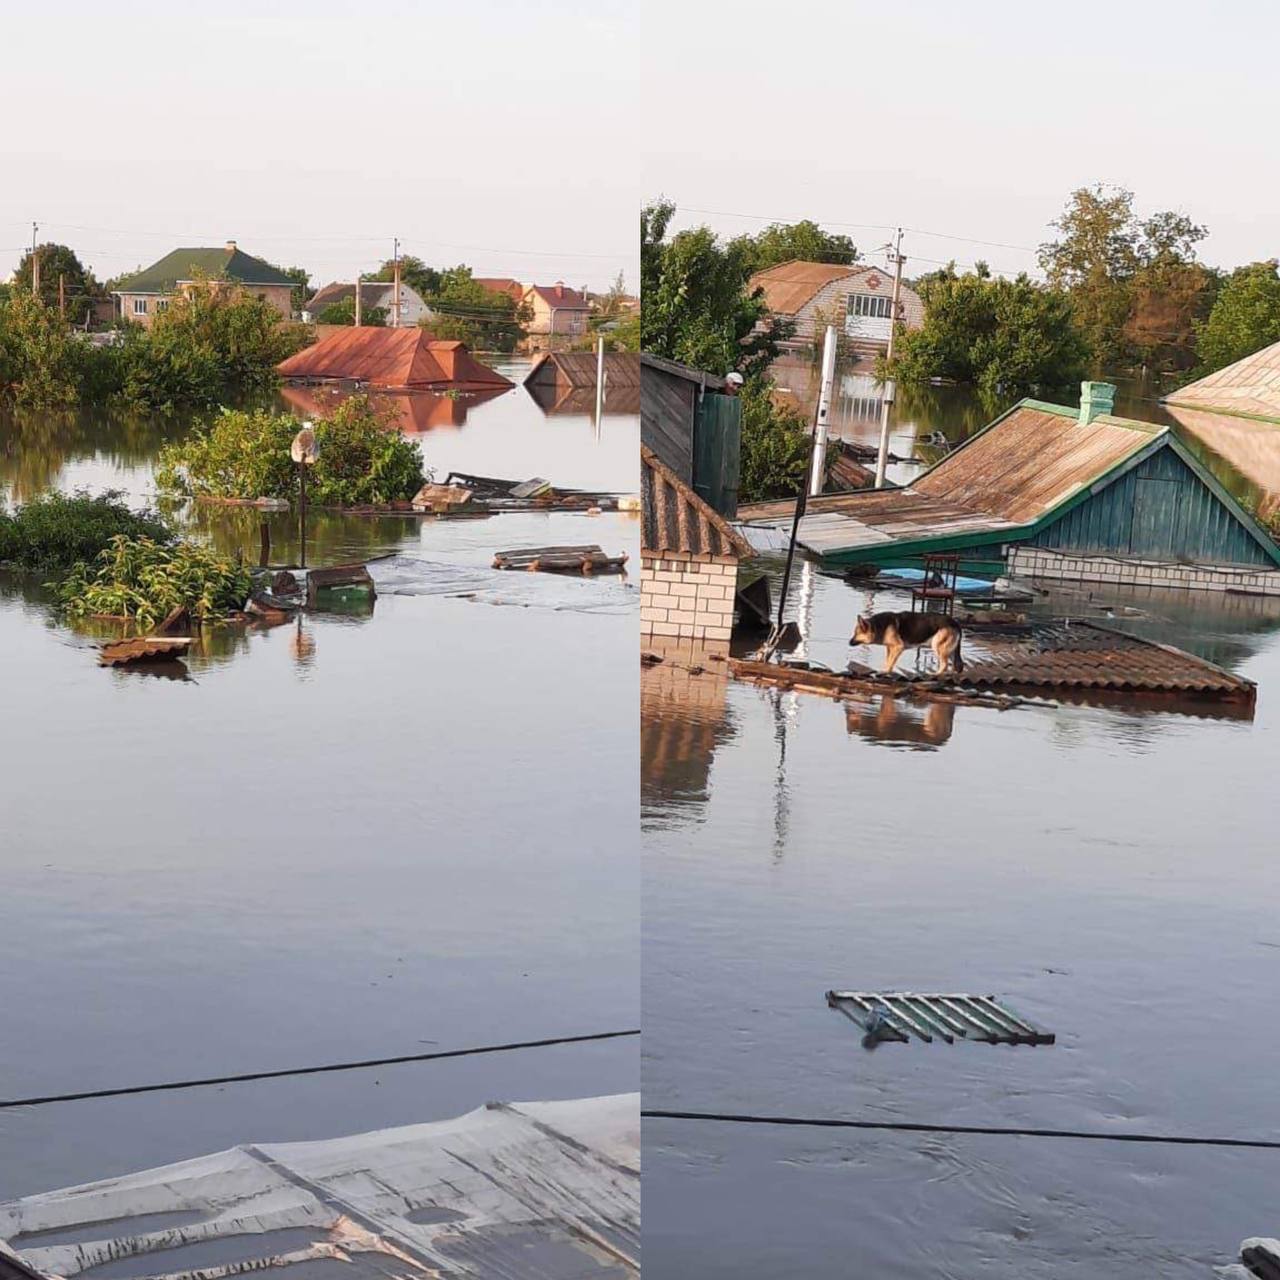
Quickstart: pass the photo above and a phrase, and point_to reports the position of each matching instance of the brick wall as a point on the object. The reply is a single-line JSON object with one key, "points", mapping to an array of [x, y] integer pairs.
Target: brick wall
{"points": [[687, 596], [1037, 562]]}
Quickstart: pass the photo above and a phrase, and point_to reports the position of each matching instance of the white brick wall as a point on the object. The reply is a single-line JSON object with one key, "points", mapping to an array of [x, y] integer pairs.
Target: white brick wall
{"points": [[687, 596], [1055, 566]]}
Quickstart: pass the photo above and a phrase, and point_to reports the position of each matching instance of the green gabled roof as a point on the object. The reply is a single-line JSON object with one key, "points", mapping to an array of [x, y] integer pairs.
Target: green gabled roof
{"points": [[186, 264]]}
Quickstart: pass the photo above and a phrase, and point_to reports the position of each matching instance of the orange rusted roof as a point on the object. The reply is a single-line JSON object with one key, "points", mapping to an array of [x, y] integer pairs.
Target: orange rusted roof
{"points": [[409, 413], [501, 284], [391, 358], [1250, 386]]}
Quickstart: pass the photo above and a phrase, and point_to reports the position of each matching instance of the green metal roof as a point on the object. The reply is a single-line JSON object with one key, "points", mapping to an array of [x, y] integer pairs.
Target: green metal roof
{"points": [[186, 264]]}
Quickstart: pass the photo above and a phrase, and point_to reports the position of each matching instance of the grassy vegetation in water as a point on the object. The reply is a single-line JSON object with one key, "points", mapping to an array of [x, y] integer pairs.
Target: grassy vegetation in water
{"points": [[54, 532], [144, 580], [246, 455]]}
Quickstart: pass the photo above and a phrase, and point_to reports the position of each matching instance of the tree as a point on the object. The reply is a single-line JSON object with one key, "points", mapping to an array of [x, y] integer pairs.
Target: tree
{"points": [[424, 280], [465, 310], [1244, 319], [696, 305], [1135, 287], [41, 361], [344, 312], [58, 260], [806, 241], [1006, 337], [776, 445]]}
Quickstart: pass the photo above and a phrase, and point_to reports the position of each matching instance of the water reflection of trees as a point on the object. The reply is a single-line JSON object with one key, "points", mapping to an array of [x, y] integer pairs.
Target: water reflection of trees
{"points": [[35, 445]]}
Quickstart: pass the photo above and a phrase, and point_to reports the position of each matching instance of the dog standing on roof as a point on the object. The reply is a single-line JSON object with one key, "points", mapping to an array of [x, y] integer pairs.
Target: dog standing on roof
{"points": [[901, 631]]}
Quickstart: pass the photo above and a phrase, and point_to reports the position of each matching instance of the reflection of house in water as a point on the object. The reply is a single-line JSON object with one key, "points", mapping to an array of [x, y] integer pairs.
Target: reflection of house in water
{"points": [[683, 719], [409, 412], [565, 382], [860, 398], [898, 723], [1236, 413]]}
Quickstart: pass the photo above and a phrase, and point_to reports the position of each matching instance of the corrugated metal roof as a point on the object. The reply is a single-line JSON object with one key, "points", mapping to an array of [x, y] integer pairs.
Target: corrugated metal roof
{"points": [[391, 358], [578, 369], [1250, 386], [900, 1015], [1250, 446], [522, 1191], [674, 518], [1009, 476]]}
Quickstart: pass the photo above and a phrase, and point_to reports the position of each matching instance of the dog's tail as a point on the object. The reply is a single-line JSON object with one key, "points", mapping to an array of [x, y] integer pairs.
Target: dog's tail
{"points": [[956, 660]]}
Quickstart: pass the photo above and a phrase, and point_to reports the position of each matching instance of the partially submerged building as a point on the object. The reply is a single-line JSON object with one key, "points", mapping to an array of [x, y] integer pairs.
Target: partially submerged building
{"points": [[391, 360], [512, 1189], [143, 295], [857, 299], [1053, 492], [565, 381], [1235, 413], [689, 557]]}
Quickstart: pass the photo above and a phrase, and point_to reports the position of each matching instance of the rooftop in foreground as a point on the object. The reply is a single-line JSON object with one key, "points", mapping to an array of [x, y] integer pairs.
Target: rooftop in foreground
{"points": [[541, 1190]]}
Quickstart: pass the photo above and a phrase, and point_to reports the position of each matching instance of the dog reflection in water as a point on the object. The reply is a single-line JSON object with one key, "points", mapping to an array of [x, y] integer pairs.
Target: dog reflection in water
{"points": [[901, 631], [902, 724]]}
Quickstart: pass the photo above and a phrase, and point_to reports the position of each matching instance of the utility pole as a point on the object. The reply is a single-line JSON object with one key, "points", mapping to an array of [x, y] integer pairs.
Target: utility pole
{"points": [[395, 300], [890, 385], [818, 468], [599, 383], [62, 294], [357, 299], [35, 261]]}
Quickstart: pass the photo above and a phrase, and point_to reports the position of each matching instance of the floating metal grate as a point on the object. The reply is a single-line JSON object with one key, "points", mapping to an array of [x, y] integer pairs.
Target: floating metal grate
{"points": [[900, 1015]]}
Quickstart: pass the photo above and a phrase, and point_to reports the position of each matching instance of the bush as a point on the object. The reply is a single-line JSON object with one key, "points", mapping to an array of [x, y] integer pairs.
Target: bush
{"points": [[41, 361], [53, 532], [145, 580], [246, 455]]}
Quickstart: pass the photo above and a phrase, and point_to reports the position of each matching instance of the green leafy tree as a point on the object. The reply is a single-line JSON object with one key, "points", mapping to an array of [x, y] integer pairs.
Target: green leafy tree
{"points": [[1244, 319], [344, 312], [776, 445], [806, 241], [41, 361], [58, 261], [1006, 337], [464, 310], [414, 272], [697, 308]]}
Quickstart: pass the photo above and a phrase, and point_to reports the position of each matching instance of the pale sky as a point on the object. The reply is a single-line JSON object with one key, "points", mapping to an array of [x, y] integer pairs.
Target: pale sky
{"points": [[975, 118], [500, 133]]}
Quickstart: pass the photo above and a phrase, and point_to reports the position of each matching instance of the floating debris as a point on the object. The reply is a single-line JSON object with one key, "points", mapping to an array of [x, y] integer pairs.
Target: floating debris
{"points": [[340, 587], [902, 1015], [586, 559], [139, 649], [534, 488], [442, 497]]}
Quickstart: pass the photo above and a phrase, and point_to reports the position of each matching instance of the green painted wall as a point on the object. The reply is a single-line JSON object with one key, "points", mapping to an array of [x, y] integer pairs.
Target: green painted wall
{"points": [[1161, 510]]}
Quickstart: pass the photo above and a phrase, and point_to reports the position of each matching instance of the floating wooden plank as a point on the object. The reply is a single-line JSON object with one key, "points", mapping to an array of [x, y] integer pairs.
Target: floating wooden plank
{"points": [[904, 1015], [585, 559], [121, 653]]}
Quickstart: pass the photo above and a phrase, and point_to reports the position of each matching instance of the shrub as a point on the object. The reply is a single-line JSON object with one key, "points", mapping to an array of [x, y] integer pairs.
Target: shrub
{"points": [[145, 580], [776, 446], [55, 531], [246, 455]]}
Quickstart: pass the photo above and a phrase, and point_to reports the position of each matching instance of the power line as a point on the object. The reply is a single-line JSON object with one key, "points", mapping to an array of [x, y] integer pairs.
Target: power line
{"points": [[246, 1076], [904, 1126]]}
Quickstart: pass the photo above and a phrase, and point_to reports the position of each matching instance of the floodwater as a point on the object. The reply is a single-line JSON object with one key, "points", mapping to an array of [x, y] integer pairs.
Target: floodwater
{"points": [[370, 837], [1109, 872]]}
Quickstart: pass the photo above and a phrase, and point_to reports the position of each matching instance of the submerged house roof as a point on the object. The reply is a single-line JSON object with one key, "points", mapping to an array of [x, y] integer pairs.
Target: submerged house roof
{"points": [[1250, 386], [566, 369], [393, 359], [539, 1189], [184, 265], [1021, 478], [675, 519]]}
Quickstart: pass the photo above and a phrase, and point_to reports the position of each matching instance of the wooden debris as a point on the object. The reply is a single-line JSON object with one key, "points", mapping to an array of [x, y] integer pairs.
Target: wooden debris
{"points": [[534, 488], [585, 559], [120, 653], [177, 619], [442, 497]]}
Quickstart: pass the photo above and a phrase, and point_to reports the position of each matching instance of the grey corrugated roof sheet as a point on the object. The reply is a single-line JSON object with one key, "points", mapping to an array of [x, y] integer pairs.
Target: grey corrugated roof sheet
{"points": [[512, 1191], [674, 519]]}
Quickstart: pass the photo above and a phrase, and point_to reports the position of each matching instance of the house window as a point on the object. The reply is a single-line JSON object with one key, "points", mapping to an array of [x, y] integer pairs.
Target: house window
{"points": [[874, 306], [162, 304], [139, 306]]}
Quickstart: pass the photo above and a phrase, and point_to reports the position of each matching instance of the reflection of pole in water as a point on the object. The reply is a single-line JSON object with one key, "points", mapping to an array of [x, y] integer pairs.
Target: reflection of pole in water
{"points": [[303, 646], [781, 797], [808, 583]]}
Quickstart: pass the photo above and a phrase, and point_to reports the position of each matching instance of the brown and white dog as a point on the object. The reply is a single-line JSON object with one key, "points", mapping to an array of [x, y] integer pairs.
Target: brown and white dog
{"points": [[901, 631]]}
